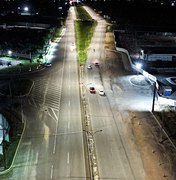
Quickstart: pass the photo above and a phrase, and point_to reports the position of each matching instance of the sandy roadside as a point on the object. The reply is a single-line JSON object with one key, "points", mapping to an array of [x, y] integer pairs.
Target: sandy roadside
{"points": [[158, 162]]}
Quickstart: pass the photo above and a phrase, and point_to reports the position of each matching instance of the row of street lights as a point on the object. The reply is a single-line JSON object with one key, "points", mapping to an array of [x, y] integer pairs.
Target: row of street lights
{"points": [[92, 133], [90, 146], [92, 154]]}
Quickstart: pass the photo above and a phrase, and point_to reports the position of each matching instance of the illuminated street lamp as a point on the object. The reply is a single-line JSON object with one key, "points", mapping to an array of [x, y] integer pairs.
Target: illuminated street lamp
{"points": [[93, 133], [9, 52], [91, 148], [154, 95], [138, 65], [26, 9]]}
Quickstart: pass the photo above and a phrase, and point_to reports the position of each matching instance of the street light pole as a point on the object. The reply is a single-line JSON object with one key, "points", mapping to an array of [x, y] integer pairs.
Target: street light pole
{"points": [[154, 94], [93, 133], [92, 154]]}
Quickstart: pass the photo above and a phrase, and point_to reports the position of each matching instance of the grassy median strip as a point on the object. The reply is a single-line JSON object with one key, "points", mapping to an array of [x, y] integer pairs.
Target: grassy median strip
{"points": [[84, 27], [81, 13]]}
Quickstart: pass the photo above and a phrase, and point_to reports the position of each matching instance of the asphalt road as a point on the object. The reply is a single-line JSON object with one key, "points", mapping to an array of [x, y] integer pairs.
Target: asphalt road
{"points": [[116, 156], [52, 144]]}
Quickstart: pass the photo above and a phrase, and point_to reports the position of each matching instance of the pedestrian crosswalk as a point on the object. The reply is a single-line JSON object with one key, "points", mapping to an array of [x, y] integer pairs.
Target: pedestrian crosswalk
{"points": [[45, 94]]}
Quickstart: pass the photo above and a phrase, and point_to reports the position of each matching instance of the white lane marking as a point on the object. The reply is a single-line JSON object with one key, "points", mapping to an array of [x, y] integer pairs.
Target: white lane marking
{"points": [[48, 112], [34, 103], [68, 157], [51, 174], [54, 114], [68, 124], [69, 79], [55, 137], [69, 103]]}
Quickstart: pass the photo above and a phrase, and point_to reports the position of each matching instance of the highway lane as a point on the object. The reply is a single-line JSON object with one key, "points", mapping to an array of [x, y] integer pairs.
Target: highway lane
{"points": [[52, 144], [116, 156], [72, 163]]}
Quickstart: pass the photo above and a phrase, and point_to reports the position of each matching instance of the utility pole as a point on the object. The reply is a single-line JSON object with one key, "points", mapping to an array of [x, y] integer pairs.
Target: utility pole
{"points": [[154, 94]]}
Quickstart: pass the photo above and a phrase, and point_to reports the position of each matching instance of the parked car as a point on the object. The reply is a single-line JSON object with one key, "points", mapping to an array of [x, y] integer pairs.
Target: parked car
{"points": [[92, 90]]}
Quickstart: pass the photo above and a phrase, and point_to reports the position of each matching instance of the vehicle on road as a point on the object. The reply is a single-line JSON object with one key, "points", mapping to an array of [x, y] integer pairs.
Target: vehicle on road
{"points": [[89, 67], [101, 92], [96, 63], [47, 64], [72, 46], [92, 90], [9, 63]]}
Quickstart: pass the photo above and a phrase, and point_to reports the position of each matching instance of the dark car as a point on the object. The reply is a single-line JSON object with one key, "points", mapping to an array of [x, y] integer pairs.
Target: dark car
{"points": [[96, 64], [92, 90], [9, 63], [1, 63]]}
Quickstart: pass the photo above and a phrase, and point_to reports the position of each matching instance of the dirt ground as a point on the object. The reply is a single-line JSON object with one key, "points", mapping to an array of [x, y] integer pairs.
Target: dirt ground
{"points": [[158, 156]]}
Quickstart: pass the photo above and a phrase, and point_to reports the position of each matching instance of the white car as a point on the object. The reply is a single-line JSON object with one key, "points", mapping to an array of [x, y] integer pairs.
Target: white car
{"points": [[73, 46], [47, 64], [101, 92], [89, 67]]}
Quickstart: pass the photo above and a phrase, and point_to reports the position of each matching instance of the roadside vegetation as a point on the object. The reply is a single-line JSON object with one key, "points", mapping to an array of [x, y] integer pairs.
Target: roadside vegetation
{"points": [[84, 27], [82, 14], [36, 55], [15, 131], [12, 89], [25, 49], [9, 148], [17, 87], [13, 66]]}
